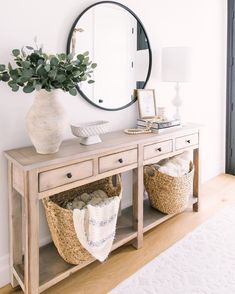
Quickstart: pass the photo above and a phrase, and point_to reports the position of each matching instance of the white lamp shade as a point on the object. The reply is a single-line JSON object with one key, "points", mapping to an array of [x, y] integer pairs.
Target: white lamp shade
{"points": [[176, 64]]}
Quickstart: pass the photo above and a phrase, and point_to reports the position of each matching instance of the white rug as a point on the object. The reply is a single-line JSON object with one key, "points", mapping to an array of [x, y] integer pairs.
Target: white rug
{"points": [[201, 263]]}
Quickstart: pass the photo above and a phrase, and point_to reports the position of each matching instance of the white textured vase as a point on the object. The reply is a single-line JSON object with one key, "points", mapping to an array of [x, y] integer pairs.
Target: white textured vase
{"points": [[46, 122]]}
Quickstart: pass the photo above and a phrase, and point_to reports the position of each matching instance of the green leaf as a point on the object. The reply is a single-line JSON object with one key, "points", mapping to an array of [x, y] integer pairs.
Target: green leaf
{"points": [[19, 63], [27, 73], [52, 74], [29, 47], [15, 88], [42, 71], [16, 52], [86, 60], [76, 72], [80, 57], [38, 87], [70, 56], [2, 67], [9, 66], [91, 82], [69, 67], [83, 78], [86, 53], [26, 64], [11, 83], [14, 74], [94, 65], [61, 78], [62, 56], [40, 61], [5, 77], [34, 57], [45, 56], [28, 88], [54, 61], [77, 62], [73, 91], [22, 80], [40, 49]]}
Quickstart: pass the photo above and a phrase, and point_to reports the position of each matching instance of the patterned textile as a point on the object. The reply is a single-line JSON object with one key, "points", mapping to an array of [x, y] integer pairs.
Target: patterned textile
{"points": [[95, 227]]}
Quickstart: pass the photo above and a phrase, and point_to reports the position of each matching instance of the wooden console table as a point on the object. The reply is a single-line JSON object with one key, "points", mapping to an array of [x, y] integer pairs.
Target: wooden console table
{"points": [[33, 176]]}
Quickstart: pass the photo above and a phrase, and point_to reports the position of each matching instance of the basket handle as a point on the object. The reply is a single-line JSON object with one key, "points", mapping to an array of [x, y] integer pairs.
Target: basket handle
{"points": [[150, 170], [46, 201], [116, 182]]}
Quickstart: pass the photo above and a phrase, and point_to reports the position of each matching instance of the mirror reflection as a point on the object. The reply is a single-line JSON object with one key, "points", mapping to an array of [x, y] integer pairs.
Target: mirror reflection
{"points": [[117, 42]]}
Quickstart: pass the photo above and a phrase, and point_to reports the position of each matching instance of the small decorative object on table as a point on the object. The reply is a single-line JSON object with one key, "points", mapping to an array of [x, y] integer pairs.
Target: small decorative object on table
{"points": [[46, 120], [161, 113], [147, 110], [89, 132], [153, 125], [147, 103], [158, 125], [138, 131], [152, 119]]}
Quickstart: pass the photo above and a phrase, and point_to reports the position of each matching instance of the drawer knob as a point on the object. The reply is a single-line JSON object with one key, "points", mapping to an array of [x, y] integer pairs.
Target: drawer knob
{"points": [[120, 160], [159, 149], [69, 175], [188, 141]]}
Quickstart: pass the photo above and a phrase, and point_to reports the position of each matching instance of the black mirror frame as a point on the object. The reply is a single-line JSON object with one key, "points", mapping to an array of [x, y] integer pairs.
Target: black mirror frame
{"points": [[150, 52]]}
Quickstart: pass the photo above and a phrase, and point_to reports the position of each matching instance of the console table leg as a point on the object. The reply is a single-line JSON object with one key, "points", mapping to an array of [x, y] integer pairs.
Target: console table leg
{"points": [[31, 235], [15, 227], [196, 180], [138, 206]]}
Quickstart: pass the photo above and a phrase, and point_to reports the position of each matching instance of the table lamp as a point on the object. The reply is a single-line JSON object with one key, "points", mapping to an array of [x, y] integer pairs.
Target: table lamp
{"points": [[176, 67]]}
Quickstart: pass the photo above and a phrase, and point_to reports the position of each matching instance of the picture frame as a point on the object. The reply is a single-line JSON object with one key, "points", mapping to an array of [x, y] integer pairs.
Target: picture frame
{"points": [[147, 103]]}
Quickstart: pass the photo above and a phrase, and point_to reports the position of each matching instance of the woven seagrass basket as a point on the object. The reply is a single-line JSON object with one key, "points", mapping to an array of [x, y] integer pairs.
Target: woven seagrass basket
{"points": [[60, 220], [166, 193]]}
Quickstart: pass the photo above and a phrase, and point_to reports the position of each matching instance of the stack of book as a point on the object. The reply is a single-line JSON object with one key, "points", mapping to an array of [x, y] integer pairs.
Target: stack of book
{"points": [[158, 126]]}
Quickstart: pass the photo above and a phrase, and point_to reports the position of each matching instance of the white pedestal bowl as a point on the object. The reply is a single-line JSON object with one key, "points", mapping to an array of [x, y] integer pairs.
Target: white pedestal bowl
{"points": [[89, 132]]}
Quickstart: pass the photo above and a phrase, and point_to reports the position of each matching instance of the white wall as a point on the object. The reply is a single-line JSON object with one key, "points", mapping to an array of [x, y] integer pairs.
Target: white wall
{"points": [[197, 23]]}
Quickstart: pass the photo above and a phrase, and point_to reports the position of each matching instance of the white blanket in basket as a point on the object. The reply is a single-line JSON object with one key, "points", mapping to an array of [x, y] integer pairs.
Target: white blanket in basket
{"points": [[95, 227]]}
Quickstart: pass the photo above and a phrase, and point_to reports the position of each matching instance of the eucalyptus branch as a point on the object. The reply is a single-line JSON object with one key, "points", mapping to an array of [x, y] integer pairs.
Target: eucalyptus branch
{"points": [[38, 70]]}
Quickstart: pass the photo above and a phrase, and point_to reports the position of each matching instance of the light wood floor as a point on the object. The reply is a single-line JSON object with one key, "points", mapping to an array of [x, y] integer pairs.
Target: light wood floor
{"points": [[100, 278]]}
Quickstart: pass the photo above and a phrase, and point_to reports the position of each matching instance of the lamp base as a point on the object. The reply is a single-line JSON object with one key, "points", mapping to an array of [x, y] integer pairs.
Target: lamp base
{"points": [[177, 102], [177, 115]]}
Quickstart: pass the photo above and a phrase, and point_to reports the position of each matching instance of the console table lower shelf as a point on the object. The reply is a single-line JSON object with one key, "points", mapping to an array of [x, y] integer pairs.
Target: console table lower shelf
{"points": [[54, 269]]}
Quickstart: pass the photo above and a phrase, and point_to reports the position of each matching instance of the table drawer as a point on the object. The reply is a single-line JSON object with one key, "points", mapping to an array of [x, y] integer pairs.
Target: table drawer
{"points": [[186, 141], [65, 175], [117, 160], [157, 149]]}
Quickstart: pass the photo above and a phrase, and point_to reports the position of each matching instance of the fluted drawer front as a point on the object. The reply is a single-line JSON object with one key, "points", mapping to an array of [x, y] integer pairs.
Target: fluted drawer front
{"points": [[65, 175], [186, 141], [157, 149], [117, 160]]}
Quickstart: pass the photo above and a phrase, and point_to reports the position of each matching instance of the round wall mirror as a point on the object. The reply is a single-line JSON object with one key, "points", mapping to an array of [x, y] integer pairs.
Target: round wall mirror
{"points": [[118, 43]]}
